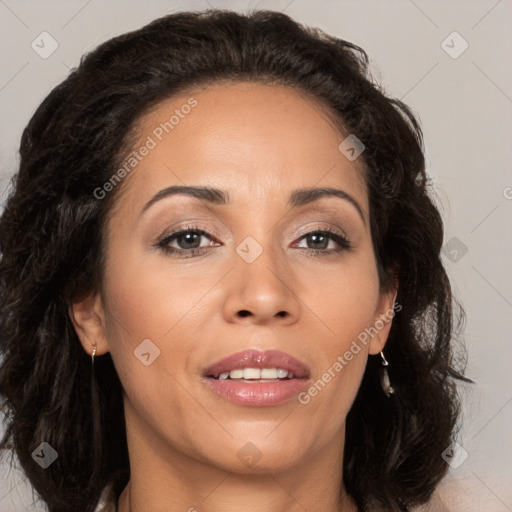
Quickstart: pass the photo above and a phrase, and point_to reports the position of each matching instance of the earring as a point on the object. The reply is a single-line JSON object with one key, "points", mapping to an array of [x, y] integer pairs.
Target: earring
{"points": [[93, 354], [384, 377]]}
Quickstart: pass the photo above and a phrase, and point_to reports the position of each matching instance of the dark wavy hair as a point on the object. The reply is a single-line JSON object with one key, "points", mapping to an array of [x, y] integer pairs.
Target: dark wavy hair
{"points": [[52, 241]]}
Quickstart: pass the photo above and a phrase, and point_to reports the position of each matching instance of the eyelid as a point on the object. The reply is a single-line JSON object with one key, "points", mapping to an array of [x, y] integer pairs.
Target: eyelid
{"points": [[330, 228], [189, 226], [210, 232], [175, 233]]}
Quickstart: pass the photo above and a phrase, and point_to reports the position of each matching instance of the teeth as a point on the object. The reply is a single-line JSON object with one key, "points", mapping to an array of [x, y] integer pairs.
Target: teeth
{"points": [[251, 373], [256, 373], [270, 373]]}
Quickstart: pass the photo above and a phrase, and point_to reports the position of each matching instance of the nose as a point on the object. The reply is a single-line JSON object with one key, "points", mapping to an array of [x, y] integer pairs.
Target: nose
{"points": [[262, 292]]}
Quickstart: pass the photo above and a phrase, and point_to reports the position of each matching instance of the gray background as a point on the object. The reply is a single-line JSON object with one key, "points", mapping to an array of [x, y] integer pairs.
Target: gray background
{"points": [[465, 106]]}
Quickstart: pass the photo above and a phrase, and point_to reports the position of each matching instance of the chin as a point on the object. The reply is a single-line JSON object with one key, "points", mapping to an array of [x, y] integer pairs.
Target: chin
{"points": [[251, 457]]}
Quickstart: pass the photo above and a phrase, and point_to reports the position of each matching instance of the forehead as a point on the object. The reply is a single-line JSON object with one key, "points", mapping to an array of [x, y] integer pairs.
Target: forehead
{"points": [[255, 139]]}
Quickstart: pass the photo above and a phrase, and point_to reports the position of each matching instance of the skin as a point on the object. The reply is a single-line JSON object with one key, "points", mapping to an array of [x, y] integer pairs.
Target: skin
{"points": [[259, 143]]}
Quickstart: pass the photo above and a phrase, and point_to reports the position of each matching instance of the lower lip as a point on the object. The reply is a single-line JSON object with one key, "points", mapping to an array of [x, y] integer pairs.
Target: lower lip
{"points": [[258, 393]]}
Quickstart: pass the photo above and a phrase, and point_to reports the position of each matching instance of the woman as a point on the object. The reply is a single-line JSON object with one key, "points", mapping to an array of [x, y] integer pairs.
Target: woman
{"points": [[221, 280]]}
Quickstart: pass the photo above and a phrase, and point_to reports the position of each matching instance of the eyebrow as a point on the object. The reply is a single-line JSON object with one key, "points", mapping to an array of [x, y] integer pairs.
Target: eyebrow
{"points": [[299, 197]]}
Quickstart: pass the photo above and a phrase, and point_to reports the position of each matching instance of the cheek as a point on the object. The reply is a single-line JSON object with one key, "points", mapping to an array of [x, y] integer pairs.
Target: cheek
{"points": [[150, 314], [344, 298], [150, 298], [154, 308], [341, 351], [343, 304]]}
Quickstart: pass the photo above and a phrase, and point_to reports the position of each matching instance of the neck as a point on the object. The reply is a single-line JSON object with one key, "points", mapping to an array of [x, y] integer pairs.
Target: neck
{"points": [[163, 478], [240, 493]]}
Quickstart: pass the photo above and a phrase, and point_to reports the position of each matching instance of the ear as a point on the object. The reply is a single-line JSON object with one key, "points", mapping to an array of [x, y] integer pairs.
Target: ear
{"points": [[384, 314], [88, 318]]}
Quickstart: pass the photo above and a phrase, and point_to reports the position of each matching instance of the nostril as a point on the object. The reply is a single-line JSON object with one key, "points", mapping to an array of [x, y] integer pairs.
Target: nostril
{"points": [[244, 313]]}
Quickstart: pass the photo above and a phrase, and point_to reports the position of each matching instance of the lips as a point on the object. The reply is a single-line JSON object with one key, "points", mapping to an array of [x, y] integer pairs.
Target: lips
{"points": [[225, 379], [261, 360]]}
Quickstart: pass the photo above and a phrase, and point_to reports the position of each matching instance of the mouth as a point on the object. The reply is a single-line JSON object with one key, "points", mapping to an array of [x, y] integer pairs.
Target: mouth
{"points": [[253, 365], [256, 378], [255, 374]]}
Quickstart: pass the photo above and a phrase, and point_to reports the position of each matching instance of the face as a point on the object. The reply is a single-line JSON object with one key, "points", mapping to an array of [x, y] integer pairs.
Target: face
{"points": [[253, 271]]}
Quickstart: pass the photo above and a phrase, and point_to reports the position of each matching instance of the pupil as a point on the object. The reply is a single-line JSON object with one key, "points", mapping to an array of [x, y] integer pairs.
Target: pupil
{"points": [[188, 237], [316, 237]]}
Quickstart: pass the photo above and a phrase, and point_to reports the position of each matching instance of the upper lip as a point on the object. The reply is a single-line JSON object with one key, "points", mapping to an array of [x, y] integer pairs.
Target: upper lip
{"points": [[258, 359]]}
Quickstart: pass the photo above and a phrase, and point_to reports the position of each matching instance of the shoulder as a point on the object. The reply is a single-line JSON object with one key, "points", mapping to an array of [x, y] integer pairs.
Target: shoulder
{"points": [[108, 500]]}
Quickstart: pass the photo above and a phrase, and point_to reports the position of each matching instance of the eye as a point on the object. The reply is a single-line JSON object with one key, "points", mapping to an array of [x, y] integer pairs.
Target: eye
{"points": [[188, 240], [320, 239]]}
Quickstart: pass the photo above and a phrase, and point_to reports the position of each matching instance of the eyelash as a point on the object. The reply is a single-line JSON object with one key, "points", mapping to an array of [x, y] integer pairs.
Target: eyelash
{"points": [[163, 242]]}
